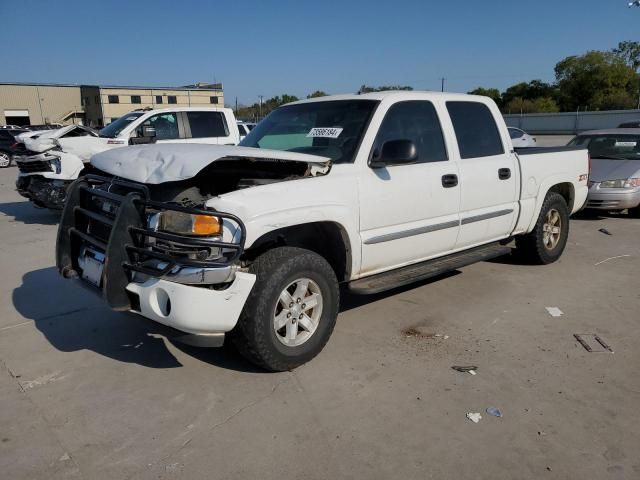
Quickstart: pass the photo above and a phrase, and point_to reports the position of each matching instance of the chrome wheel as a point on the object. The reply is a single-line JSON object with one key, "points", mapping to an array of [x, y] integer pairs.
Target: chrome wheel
{"points": [[5, 160], [297, 312], [551, 229]]}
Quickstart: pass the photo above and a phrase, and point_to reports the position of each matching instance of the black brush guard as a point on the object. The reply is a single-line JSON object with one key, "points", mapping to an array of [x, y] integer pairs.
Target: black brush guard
{"points": [[120, 232]]}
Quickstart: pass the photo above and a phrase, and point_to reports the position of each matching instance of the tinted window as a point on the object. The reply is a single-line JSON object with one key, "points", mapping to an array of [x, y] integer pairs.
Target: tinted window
{"points": [[515, 133], [476, 129], [136, 99], [172, 99], [213, 100], [4, 135], [119, 124], [610, 146], [114, 99], [207, 124], [416, 121], [166, 125], [158, 98]]}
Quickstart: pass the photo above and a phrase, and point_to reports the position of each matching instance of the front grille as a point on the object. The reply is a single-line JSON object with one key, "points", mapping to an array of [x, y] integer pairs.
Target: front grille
{"points": [[110, 216], [35, 166], [21, 149]]}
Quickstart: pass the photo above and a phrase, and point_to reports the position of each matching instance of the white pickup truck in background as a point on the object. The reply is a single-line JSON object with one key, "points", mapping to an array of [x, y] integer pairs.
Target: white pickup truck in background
{"points": [[51, 160], [372, 191]]}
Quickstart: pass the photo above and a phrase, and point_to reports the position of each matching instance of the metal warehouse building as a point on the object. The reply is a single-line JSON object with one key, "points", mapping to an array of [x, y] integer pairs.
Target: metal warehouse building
{"points": [[94, 105]]}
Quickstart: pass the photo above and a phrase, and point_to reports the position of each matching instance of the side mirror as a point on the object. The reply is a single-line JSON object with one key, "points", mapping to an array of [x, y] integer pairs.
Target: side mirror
{"points": [[148, 131], [394, 152]]}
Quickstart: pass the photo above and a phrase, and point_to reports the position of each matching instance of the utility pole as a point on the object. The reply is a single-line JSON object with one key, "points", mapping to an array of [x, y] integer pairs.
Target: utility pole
{"points": [[442, 86], [236, 106], [260, 107]]}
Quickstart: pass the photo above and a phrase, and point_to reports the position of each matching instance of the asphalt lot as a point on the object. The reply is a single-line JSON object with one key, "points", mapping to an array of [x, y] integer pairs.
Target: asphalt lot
{"points": [[90, 393]]}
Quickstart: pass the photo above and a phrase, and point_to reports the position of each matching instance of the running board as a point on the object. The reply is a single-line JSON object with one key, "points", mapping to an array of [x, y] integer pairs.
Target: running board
{"points": [[421, 271]]}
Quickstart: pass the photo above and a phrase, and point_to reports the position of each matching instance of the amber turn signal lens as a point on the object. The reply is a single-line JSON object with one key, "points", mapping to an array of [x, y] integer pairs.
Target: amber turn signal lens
{"points": [[205, 225]]}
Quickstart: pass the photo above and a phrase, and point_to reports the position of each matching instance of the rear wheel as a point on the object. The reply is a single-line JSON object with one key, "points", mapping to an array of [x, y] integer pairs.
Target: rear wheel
{"points": [[546, 242], [634, 212], [291, 311], [5, 160]]}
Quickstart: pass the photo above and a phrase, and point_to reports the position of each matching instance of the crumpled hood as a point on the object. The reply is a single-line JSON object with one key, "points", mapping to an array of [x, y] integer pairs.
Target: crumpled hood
{"points": [[170, 162], [47, 139], [602, 169]]}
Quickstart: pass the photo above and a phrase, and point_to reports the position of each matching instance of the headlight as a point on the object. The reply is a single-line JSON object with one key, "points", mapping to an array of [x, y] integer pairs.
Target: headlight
{"points": [[621, 183], [189, 224]]}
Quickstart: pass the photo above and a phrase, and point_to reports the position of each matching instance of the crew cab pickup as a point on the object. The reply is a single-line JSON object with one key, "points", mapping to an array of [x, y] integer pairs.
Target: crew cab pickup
{"points": [[50, 161], [371, 191]]}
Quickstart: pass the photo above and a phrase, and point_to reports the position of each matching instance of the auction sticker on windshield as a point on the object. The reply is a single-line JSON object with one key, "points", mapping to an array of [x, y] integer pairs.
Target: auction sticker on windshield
{"points": [[324, 132], [626, 144]]}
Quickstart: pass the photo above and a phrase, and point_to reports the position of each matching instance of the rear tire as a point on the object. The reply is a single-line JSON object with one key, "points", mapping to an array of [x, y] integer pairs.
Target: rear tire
{"points": [[634, 212], [546, 242], [278, 328]]}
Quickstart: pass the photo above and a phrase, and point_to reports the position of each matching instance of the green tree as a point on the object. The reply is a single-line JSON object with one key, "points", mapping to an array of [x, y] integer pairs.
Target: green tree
{"points": [[368, 89], [545, 105], [492, 93], [629, 52], [529, 91], [316, 94], [600, 80]]}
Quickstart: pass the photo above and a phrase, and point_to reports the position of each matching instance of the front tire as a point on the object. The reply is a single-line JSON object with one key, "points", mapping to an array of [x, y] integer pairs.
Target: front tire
{"points": [[5, 160], [291, 311], [546, 242]]}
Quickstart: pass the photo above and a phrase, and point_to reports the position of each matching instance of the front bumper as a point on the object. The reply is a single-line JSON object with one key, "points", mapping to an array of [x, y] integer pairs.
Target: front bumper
{"points": [[43, 192], [612, 199], [109, 217], [194, 310]]}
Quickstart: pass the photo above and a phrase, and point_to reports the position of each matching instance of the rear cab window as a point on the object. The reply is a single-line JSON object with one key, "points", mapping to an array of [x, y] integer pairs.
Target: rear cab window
{"points": [[476, 130], [207, 124]]}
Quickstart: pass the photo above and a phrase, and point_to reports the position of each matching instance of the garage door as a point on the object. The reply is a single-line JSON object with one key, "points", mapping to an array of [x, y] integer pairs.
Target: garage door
{"points": [[17, 117]]}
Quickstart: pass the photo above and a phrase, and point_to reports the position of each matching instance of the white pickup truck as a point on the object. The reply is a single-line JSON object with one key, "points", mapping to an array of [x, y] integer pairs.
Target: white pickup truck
{"points": [[50, 161], [371, 191]]}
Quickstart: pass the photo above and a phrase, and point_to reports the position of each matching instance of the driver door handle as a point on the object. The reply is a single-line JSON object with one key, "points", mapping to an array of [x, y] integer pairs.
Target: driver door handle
{"points": [[450, 180], [504, 173]]}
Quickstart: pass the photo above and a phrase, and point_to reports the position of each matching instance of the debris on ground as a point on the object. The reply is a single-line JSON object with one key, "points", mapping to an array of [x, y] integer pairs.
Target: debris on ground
{"points": [[610, 258], [466, 369], [416, 332], [475, 417], [554, 311], [593, 343], [605, 231], [494, 412]]}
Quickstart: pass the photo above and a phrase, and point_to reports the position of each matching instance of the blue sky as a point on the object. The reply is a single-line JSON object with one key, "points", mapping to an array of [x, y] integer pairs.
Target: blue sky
{"points": [[273, 47]]}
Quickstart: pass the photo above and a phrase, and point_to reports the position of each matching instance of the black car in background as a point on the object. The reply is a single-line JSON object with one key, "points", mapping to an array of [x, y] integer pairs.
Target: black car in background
{"points": [[7, 145]]}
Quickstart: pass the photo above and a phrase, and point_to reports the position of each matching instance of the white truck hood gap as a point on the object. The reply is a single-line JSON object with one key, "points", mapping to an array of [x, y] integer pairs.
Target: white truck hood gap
{"points": [[160, 163]]}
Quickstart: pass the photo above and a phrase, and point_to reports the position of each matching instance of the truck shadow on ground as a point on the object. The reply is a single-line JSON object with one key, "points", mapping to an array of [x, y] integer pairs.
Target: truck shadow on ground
{"points": [[26, 213], [71, 319]]}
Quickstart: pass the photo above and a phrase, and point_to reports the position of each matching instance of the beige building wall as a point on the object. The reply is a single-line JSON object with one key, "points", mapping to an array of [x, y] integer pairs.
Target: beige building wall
{"points": [[44, 103], [149, 98]]}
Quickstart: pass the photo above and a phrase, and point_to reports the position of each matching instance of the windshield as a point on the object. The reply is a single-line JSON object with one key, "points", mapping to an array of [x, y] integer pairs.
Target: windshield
{"points": [[610, 146], [329, 129], [113, 129]]}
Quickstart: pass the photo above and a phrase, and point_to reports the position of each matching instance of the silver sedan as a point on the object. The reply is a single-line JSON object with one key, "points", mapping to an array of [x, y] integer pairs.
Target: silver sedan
{"points": [[614, 183]]}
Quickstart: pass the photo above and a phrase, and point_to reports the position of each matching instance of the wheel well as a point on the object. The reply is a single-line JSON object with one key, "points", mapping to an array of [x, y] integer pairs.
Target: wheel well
{"points": [[327, 239], [567, 191]]}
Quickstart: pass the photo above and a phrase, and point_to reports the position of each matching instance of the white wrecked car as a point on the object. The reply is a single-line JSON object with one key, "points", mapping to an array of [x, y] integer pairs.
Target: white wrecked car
{"points": [[50, 161]]}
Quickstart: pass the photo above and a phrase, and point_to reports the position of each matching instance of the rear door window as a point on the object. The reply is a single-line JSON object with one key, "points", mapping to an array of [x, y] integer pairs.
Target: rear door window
{"points": [[207, 124], [476, 129]]}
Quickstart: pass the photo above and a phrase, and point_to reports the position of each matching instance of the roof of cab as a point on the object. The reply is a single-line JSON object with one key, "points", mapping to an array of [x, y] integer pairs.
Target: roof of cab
{"points": [[613, 131], [395, 94]]}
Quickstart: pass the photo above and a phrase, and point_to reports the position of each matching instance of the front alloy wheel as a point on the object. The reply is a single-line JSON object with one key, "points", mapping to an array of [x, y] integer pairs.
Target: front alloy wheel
{"points": [[298, 312], [291, 310], [5, 160]]}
